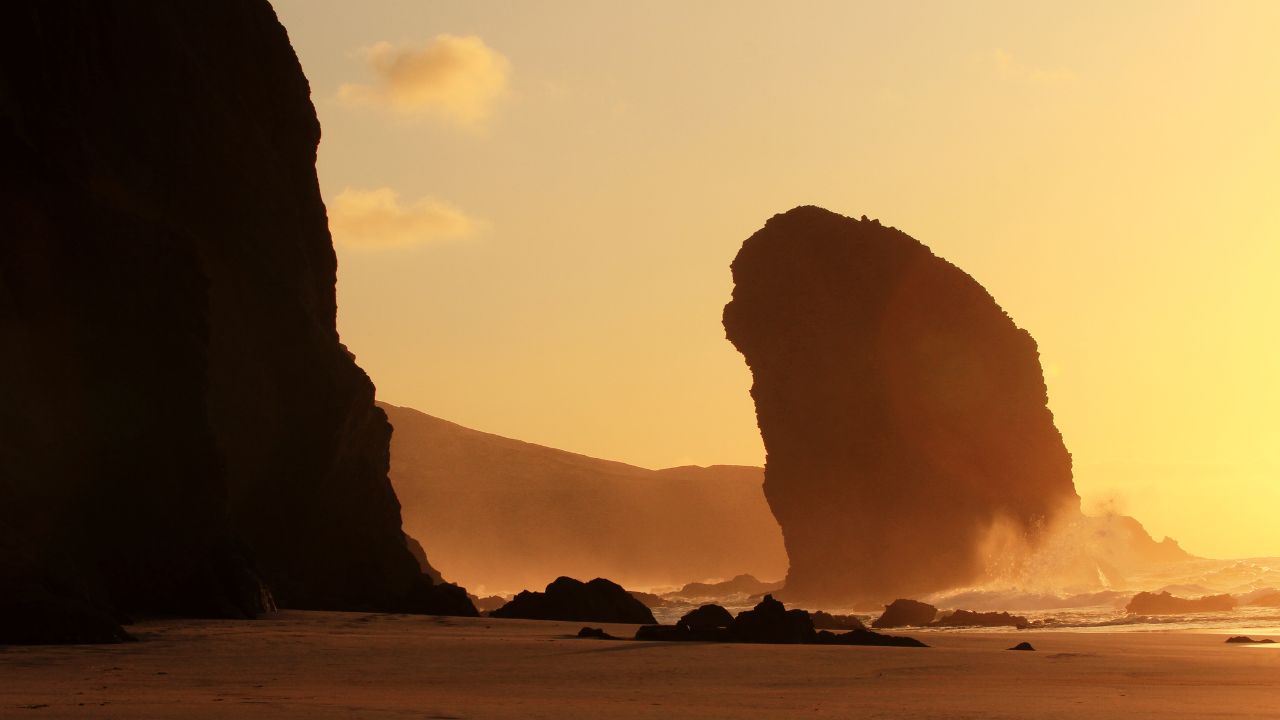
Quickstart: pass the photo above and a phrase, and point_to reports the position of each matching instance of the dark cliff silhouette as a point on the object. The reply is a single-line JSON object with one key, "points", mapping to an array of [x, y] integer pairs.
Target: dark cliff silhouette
{"points": [[504, 514], [181, 430], [903, 412]]}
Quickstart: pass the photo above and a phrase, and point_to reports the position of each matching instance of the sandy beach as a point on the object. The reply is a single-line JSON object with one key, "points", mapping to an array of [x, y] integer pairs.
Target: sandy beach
{"points": [[350, 665]]}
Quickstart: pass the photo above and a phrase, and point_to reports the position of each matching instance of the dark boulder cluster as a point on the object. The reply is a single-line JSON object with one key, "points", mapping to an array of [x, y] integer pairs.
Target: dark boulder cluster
{"points": [[568, 599], [1163, 603], [183, 431], [903, 412], [913, 613], [769, 622], [1246, 640]]}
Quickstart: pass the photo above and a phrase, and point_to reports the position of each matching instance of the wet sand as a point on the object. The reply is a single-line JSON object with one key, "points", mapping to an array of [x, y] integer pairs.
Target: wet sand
{"points": [[348, 665]]}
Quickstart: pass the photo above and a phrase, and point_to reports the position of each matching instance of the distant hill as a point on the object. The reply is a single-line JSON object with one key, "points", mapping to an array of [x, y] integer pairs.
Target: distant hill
{"points": [[501, 515]]}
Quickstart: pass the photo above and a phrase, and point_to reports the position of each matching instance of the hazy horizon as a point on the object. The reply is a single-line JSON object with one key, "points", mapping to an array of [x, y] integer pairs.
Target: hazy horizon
{"points": [[554, 199]]}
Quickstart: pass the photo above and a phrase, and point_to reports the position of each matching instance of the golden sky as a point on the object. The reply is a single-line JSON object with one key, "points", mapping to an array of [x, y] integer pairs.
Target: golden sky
{"points": [[535, 206]]}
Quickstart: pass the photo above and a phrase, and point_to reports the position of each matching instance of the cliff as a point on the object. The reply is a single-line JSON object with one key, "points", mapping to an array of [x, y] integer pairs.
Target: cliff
{"points": [[183, 432], [500, 515], [903, 412]]}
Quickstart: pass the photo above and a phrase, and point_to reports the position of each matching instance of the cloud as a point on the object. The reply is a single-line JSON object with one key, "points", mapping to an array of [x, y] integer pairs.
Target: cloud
{"points": [[459, 79], [1007, 65], [375, 220]]}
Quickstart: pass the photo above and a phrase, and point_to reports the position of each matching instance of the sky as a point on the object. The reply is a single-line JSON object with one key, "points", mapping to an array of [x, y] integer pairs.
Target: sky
{"points": [[535, 205]]}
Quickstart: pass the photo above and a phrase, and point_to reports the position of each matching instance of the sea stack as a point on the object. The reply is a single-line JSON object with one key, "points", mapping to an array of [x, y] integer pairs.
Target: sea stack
{"points": [[903, 412], [183, 432]]}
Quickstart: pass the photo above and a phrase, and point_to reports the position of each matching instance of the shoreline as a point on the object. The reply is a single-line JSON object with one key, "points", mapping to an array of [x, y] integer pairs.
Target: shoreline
{"points": [[317, 665]]}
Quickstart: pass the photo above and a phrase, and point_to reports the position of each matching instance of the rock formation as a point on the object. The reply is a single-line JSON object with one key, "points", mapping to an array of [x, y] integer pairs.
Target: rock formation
{"points": [[1163, 603], [567, 599], [489, 603], [903, 412], [181, 431], [969, 618], [707, 616], [769, 622], [650, 600], [498, 515], [738, 585], [826, 621], [904, 613]]}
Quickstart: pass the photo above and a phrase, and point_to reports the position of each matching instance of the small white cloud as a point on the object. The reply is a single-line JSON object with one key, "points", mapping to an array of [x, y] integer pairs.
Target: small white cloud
{"points": [[459, 79], [375, 220], [1007, 65]]}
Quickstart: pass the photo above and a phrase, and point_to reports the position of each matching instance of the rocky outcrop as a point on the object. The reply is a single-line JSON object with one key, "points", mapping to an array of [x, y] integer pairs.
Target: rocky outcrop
{"points": [[906, 613], [567, 599], [737, 585], [969, 618], [1163, 603], [707, 616], [826, 621], [903, 412], [181, 430], [650, 600], [769, 622], [489, 603], [502, 514]]}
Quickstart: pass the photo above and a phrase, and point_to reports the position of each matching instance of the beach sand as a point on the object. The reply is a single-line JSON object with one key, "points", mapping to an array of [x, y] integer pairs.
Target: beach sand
{"points": [[348, 665]]}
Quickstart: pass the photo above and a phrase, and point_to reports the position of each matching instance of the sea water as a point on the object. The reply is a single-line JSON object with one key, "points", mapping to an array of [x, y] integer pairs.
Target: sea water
{"points": [[1094, 609]]}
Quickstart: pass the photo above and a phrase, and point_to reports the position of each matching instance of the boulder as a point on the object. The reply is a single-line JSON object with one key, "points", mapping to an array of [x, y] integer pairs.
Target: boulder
{"points": [[1023, 646], [1245, 640], [568, 599], [902, 410], [707, 616], [771, 622], [903, 613], [1163, 603]]}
